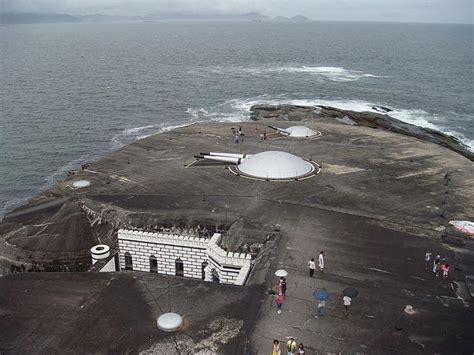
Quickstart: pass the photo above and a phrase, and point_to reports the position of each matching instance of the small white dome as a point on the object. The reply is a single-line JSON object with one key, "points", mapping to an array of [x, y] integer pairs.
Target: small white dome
{"points": [[81, 183], [301, 131], [169, 322], [275, 165]]}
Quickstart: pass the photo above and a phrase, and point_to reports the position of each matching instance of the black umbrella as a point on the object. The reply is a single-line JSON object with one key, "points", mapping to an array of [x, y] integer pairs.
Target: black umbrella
{"points": [[351, 292]]}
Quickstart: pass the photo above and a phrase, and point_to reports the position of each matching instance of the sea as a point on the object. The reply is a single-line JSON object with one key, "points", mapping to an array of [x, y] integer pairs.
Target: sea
{"points": [[72, 93]]}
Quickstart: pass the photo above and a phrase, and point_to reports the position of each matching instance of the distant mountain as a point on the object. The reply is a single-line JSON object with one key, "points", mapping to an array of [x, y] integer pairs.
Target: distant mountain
{"points": [[281, 18], [106, 18], [11, 18], [253, 16], [299, 18]]}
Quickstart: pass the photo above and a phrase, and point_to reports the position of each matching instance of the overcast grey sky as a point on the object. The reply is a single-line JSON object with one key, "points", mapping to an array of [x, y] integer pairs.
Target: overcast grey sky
{"points": [[446, 11]]}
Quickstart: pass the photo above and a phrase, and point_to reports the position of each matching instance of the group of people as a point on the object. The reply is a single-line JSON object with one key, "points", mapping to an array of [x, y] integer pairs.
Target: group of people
{"points": [[239, 136], [438, 267], [291, 346], [312, 264]]}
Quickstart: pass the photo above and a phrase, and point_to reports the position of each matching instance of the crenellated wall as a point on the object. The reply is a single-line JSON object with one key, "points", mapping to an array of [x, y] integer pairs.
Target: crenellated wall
{"points": [[200, 256]]}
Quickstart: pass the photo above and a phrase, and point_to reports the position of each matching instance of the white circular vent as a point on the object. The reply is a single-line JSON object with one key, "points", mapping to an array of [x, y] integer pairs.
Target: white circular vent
{"points": [[170, 322], [100, 251]]}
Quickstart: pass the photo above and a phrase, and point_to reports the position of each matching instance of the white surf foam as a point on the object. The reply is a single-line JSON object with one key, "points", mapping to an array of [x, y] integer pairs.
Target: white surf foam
{"points": [[197, 113], [337, 74]]}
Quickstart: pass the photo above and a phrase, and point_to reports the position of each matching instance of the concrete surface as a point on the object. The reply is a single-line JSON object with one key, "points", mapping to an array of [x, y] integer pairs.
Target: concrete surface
{"points": [[378, 204]]}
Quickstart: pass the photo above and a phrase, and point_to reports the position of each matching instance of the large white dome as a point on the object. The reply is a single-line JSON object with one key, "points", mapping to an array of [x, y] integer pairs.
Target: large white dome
{"points": [[275, 165], [300, 131]]}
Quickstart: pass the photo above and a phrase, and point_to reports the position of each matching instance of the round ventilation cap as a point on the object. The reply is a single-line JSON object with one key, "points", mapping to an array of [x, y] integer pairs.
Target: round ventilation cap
{"points": [[100, 251], [170, 322]]}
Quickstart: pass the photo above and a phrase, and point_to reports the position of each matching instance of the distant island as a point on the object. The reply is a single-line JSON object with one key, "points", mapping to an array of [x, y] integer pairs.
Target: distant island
{"points": [[294, 18], [31, 18], [12, 18]]}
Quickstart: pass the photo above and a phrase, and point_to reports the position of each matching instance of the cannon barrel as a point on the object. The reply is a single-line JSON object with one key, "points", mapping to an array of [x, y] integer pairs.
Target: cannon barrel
{"points": [[233, 160], [280, 130], [230, 155]]}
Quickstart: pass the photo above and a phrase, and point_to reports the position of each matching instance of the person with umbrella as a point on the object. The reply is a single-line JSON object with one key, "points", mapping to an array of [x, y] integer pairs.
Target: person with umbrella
{"points": [[321, 295], [347, 303], [281, 274]]}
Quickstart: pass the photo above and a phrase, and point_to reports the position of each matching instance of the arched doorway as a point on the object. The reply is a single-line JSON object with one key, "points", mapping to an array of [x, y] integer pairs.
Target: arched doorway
{"points": [[128, 261], [203, 270], [179, 267], [215, 276], [153, 264]]}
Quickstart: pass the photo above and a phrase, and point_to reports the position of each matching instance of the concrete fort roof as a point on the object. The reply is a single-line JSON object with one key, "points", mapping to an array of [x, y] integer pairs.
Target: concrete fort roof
{"points": [[380, 202], [275, 165], [117, 313]]}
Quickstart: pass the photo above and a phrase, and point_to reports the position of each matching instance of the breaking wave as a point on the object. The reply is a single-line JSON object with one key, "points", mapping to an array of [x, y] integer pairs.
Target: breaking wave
{"points": [[331, 73], [337, 74]]}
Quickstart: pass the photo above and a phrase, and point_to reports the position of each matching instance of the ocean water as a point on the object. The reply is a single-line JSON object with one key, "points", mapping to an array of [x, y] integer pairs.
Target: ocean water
{"points": [[71, 93]]}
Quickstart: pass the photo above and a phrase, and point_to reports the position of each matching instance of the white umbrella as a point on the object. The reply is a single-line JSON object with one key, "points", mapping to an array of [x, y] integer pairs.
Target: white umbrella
{"points": [[281, 273]]}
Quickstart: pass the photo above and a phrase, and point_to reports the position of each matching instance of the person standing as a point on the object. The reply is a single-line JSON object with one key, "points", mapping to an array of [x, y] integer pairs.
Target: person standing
{"points": [[312, 267], [321, 261], [347, 303], [276, 348], [291, 346], [301, 349], [437, 267], [321, 306], [283, 287], [445, 269], [427, 259], [279, 302]]}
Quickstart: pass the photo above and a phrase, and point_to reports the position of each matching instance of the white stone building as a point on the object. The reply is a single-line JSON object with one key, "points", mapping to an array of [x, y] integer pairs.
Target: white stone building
{"points": [[173, 254]]}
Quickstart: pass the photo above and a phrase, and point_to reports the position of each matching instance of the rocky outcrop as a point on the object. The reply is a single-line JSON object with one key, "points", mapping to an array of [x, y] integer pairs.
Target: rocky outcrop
{"points": [[367, 119]]}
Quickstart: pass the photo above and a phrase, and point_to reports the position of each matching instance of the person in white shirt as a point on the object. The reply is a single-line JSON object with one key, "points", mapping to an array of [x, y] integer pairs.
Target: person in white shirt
{"points": [[427, 259], [347, 303], [321, 261], [312, 267]]}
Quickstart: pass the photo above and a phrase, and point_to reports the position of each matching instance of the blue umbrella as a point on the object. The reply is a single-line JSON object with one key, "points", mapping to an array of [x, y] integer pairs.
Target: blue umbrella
{"points": [[321, 295]]}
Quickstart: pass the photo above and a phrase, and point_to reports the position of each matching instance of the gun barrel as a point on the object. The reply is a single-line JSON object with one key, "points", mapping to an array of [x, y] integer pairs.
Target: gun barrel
{"points": [[231, 155], [280, 130], [233, 160]]}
